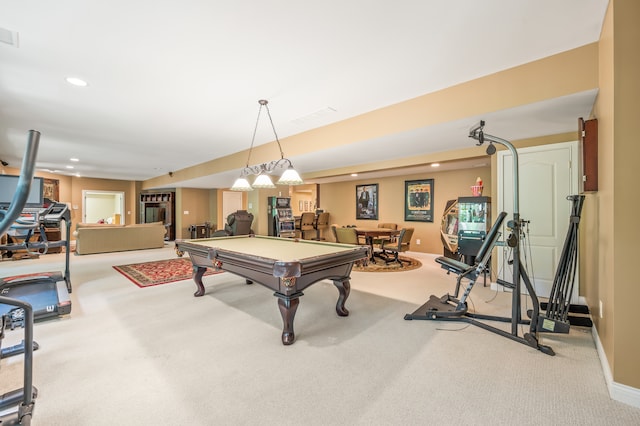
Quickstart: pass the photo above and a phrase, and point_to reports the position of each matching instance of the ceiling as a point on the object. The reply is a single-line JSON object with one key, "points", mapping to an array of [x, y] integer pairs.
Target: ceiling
{"points": [[172, 84]]}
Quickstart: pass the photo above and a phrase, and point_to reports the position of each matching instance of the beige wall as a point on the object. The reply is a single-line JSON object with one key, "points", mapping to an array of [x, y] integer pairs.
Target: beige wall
{"points": [[79, 184], [597, 268], [257, 204], [339, 199], [626, 154], [304, 194], [609, 250], [192, 208]]}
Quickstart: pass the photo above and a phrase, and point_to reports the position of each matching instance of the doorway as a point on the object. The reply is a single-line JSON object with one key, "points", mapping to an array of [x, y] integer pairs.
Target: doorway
{"points": [[547, 175], [102, 207]]}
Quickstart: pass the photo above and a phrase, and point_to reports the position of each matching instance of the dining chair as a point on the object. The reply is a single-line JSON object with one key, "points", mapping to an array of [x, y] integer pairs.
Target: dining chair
{"points": [[321, 224], [379, 240], [346, 235], [307, 224], [394, 248]]}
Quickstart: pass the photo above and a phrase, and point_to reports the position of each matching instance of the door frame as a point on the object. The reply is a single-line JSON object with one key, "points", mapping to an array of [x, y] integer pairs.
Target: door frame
{"points": [[88, 192]]}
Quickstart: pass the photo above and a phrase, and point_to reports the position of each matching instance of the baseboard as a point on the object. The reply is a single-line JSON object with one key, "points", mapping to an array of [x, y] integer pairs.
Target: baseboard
{"points": [[617, 391]]}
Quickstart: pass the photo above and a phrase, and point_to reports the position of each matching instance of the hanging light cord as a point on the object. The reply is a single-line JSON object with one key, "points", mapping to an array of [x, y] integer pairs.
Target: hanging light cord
{"points": [[263, 103], [272, 126]]}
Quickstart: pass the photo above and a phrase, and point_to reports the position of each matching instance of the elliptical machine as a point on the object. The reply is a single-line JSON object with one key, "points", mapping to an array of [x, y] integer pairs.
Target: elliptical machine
{"points": [[18, 404]]}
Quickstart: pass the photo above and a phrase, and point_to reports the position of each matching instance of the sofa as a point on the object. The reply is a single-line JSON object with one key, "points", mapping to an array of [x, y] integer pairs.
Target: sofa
{"points": [[94, 238]]}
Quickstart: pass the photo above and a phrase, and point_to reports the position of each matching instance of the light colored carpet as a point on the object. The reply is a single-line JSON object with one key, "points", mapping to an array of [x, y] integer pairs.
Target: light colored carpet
{"points": [[158, 355]]}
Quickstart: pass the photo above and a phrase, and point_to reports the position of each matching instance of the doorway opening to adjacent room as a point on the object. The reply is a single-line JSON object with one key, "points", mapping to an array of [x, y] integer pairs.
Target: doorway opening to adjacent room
{"points": [[99, 206]]}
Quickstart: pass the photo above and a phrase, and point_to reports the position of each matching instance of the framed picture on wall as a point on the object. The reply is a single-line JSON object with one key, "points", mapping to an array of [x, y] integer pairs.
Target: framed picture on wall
{"points": [[418, 200], [51, 189], [367, 201]]}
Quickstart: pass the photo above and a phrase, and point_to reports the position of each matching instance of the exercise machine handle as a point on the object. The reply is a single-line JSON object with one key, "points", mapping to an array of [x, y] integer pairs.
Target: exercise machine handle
{"points": [[24, 182]]}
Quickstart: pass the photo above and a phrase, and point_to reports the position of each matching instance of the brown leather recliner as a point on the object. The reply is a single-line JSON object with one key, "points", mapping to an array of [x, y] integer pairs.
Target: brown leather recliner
{"points": [[239, 223]]}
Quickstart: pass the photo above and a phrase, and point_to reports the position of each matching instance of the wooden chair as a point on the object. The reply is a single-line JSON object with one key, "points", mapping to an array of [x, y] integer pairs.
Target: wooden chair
{"points": [[388, 225], [307, 224], [402, 244], [321, 224]]}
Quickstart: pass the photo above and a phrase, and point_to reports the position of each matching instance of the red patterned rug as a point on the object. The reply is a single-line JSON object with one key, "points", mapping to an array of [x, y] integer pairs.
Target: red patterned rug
{"points": [[159, 272]]}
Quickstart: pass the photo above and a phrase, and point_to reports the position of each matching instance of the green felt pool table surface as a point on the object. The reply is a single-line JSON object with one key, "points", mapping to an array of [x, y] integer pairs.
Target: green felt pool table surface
{"points": [[282, 249]]}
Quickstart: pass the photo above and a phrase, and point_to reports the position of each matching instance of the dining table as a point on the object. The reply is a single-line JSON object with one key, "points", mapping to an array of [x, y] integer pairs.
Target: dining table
{"points": [[370, 234]]}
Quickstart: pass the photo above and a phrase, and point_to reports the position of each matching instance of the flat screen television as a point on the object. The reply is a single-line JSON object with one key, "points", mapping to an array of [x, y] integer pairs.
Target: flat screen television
{"points": [[9, 184]]}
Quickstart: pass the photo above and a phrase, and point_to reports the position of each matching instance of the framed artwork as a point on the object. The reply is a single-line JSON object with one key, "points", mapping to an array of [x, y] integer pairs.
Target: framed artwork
{"points": [[418, 204], [51, 189], [367, 201]]}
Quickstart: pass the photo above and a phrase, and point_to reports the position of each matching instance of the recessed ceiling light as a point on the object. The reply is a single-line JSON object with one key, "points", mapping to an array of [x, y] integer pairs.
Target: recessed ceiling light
{"points": [[435, 164], [69, 167], [9, 37], [74, 159], [76, 81], [354, 175]]}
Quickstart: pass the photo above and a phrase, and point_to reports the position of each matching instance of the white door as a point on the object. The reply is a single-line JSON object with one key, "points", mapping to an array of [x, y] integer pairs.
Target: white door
{"points": [[231, 202], [547, 174]]}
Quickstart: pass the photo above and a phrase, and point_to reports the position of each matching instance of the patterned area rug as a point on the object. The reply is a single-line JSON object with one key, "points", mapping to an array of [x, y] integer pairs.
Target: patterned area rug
{"points": [[159, 272], [380, 265]]}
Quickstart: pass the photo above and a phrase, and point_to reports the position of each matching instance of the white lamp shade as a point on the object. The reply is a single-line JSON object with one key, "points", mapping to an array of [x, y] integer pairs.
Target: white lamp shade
{"points": [[241, 184], [290, 177], [263, 181]]}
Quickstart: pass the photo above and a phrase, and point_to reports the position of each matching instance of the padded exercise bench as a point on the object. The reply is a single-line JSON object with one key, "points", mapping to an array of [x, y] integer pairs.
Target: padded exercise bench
{"points": [[451, 306]]}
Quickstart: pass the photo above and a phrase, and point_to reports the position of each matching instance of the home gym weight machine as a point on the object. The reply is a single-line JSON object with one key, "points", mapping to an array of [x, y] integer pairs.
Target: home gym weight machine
{"points": [[16, 406], [449, 308]]}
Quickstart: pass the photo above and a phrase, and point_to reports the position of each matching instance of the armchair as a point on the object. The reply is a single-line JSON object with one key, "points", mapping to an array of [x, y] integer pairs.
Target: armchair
{"points": [[333, 231], [398, 246], [239, 223], [345, 235]]}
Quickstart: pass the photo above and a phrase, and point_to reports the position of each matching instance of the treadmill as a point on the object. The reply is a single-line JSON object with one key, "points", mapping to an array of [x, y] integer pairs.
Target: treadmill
{"points": [[47, 292]]}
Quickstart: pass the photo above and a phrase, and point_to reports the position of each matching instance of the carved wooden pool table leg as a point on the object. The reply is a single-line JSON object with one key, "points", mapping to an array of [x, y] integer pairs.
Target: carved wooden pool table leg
{"points": [[198, 273], [344, 288], [288, 306]]}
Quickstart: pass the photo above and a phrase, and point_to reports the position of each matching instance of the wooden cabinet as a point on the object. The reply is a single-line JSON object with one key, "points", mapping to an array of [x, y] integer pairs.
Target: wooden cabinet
{"points": [[159, 207], [589, 139]]}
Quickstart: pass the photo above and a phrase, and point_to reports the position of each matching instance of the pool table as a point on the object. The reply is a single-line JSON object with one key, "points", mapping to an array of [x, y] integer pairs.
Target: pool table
{"points": [[285, 265]]}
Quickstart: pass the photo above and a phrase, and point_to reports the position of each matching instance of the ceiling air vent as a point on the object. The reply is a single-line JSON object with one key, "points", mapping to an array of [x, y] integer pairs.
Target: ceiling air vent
{"points": [[9, 37], [314, 117]]}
